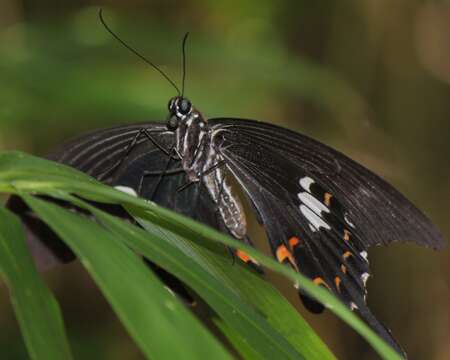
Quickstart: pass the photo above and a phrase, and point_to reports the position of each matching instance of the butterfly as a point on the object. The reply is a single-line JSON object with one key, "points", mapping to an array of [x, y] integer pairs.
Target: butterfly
{"points": [[321, 210]]}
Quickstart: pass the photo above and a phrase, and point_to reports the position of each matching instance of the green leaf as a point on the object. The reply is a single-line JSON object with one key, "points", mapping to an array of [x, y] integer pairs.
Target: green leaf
{"points": [[33, 180], [237, 341], [193, 230], [161, 326], [36, 309], [276, 309], [180, 258]]}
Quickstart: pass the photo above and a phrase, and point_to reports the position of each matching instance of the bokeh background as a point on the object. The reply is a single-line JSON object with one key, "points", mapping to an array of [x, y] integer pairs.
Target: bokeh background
{"points": [[369, 77]]}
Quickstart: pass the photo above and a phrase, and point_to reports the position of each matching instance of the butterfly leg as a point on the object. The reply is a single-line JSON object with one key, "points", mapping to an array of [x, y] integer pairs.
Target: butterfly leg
{"points": [[149, 137], [161, 174], [206, 172], [130, 147]]}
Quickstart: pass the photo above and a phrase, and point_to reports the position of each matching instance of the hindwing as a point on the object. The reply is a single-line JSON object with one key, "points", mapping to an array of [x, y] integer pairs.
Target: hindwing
{"points": [[320, 209]]}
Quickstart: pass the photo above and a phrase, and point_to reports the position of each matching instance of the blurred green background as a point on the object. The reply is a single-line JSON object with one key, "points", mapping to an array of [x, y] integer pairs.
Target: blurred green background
{"points": [[368, 77]]}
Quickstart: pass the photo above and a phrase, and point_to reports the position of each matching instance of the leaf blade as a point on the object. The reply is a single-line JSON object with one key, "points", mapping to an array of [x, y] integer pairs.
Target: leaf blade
{"points": [[150, 313], [16, 179], [239, 315], [37, 311]]}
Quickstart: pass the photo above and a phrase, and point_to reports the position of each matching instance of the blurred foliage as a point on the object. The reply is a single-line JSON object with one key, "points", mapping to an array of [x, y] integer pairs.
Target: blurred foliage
{"points": [[371, 78]]}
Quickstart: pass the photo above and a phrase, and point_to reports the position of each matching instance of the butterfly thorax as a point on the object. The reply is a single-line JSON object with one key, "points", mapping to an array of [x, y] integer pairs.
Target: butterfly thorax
{"points": [[192, 145], [202, 163]]}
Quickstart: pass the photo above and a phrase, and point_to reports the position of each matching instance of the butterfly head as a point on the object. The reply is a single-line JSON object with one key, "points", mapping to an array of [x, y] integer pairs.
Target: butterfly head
{"points": [[179, 109], [183, 114]]}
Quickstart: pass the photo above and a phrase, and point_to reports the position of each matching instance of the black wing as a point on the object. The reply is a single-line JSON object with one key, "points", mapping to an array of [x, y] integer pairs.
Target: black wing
{"points": [[101, 152], [121, 156], [378, 210], [320, 209]]}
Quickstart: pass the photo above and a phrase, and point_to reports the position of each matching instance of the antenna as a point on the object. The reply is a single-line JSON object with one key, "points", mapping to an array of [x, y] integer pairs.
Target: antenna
{"points": [[184, 63], [100, 15]]}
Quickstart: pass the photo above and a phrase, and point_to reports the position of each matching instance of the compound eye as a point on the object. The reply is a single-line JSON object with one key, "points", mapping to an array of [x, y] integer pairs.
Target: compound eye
{"points": [[184, 106], [173, 122], [170, 105]]}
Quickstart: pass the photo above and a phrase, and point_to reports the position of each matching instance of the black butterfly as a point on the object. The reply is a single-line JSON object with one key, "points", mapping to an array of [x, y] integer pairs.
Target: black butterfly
{"points": [[320, 209]]}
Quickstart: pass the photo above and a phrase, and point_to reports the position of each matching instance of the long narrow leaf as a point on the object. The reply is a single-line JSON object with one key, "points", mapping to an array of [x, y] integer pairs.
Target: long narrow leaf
{"points": [[157, 321], [251, 287], [36, 309], [18, 172], [236, 312], [192, 230]]}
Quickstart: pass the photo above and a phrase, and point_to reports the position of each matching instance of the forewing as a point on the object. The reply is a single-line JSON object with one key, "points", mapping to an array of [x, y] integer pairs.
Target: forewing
{"points": [[306, 228], [377, 210], [99, 153], [121, 156], [134, 157]]}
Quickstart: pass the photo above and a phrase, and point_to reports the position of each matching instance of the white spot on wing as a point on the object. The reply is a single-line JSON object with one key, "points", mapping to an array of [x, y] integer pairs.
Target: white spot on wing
{"points": [[364, 278], [311, 202], [364, 255], [126, 190], [305, 183], [313, 218], [353, 306], [348, 221]]}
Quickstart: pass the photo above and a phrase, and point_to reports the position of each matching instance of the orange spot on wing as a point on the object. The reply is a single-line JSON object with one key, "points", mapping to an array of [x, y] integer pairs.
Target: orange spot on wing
{"points": [[347, 254], [284, 254], [293, 242], [346, 235], [327, 198], [319, 281], [246, 258], [243, 256], [337, 281]]}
